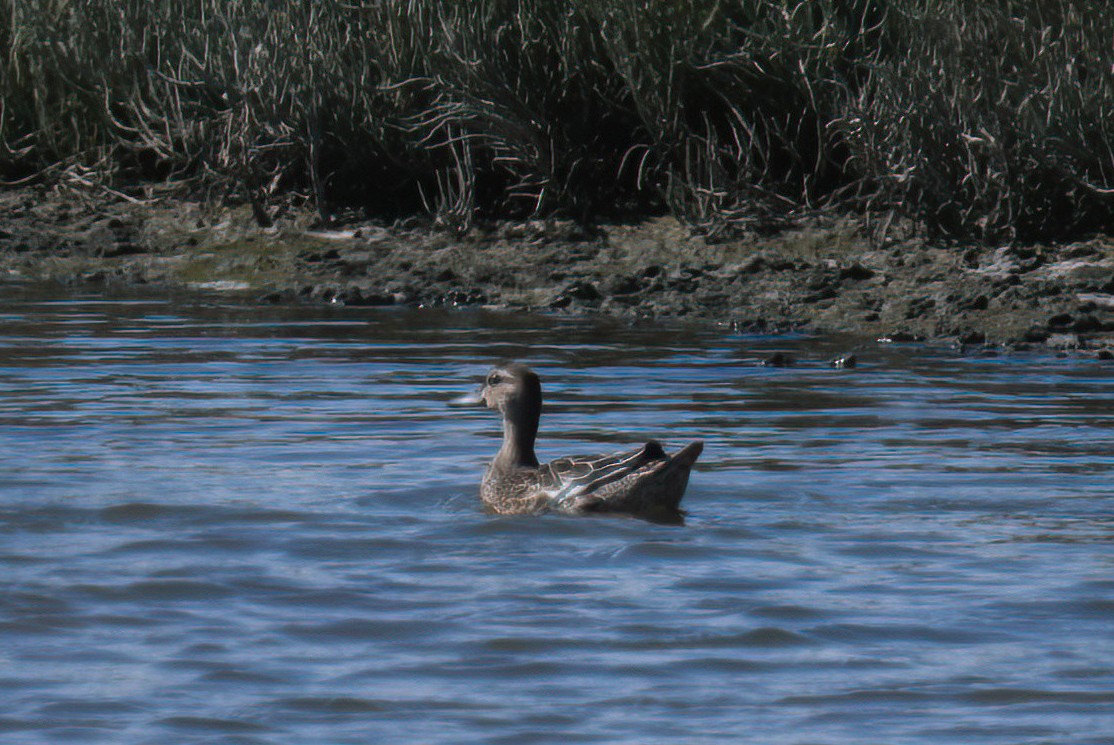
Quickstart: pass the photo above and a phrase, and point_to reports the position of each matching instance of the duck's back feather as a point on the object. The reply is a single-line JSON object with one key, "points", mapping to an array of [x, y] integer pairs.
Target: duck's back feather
{"points": [[640, 481], [585, 474]]}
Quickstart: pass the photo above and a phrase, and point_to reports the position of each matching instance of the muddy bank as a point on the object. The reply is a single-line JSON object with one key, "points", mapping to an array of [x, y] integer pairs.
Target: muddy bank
{"points": [[822, 277]]}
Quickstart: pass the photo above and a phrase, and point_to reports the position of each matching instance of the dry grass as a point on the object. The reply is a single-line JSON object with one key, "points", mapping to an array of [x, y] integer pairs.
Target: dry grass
{"points": [[995, 121], [986, 120]]}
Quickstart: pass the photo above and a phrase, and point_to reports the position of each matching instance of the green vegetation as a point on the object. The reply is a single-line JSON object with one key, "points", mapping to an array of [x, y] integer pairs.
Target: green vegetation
{"points": [[978, 119]]}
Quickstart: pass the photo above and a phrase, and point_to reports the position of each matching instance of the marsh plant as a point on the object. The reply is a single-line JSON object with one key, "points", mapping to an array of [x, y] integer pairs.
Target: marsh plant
{"points": [[977, 119]]}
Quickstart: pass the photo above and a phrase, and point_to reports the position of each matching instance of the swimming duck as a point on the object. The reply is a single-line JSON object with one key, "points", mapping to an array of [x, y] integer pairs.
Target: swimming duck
{"points": [[646, 482]]}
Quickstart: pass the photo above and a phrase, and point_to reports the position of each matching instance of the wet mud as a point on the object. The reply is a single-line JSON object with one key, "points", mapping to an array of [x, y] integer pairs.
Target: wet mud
{"points": [[825, 275]]}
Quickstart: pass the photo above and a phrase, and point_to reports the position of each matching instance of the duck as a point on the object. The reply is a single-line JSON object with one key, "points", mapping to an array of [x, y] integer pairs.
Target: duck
{"points": [[646, 482]]}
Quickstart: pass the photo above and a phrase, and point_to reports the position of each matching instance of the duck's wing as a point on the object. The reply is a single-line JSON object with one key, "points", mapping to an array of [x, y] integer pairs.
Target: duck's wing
{"points": [[569, 480], [646, 481]]}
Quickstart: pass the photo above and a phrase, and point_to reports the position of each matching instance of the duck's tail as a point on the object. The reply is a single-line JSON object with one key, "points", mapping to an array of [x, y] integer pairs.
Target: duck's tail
{"points": [[674, 476], [655, 490], [687, 455]]}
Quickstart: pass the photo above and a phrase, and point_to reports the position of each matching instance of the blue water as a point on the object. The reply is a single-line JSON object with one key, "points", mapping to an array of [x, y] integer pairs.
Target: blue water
{"points": [[231, 524]]}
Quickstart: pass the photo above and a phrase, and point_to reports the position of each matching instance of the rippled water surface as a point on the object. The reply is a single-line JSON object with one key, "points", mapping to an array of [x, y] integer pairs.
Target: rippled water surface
{"points": [[260, 525]]}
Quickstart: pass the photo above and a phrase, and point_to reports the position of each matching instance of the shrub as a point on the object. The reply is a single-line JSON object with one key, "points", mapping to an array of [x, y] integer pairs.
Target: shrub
{"points": [[983, 120]]}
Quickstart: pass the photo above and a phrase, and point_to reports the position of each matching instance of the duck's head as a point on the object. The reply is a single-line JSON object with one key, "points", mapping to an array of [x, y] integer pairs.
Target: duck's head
{"points": [[514, 390]]}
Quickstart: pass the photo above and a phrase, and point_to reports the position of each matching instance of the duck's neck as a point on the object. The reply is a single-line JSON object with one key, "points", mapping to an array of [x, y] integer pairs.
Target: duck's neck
{"points": [[518, 444]]}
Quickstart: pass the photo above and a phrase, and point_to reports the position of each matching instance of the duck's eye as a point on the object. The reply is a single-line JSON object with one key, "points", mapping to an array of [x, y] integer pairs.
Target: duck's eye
{"points": [[494, 379]]}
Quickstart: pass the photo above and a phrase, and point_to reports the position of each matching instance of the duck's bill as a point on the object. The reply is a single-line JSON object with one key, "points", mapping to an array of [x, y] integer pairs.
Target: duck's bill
{"points": [[469, 399]]}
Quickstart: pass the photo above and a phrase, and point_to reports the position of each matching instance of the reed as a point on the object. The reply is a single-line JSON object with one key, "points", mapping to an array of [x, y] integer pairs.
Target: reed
{"points": [[983, 120], [993, 122]]}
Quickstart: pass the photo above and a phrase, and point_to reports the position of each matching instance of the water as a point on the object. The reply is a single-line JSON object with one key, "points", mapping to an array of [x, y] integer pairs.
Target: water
{"points": [[226, 524]]}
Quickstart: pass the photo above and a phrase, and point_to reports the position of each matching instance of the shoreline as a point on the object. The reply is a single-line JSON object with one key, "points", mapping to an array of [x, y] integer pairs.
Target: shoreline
{"points": [[823, 276]]}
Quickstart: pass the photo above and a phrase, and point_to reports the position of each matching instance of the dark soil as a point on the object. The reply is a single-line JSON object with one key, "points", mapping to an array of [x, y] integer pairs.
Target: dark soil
{"points": [[823, 276]]}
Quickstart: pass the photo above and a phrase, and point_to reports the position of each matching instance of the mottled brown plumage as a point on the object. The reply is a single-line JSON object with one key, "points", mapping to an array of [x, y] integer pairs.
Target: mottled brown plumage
{"points": [[646, 482]]}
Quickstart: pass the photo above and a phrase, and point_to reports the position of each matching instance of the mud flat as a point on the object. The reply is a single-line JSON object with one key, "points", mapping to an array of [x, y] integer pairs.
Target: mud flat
{"points": [[822, 276]]}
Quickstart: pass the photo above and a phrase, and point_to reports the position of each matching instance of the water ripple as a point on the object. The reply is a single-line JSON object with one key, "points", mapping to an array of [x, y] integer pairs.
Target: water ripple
{"points": [[236, 524]]}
